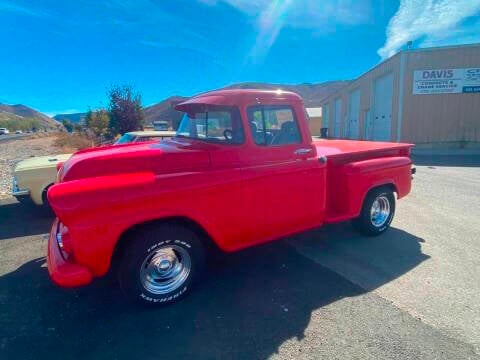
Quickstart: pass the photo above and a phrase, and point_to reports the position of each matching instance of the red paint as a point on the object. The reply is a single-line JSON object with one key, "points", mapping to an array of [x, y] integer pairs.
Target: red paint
{"points": [[241, 195]]}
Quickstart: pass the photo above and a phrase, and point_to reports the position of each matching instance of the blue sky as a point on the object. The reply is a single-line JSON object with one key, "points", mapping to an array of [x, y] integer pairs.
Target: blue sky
{"points": [[62, 56]]}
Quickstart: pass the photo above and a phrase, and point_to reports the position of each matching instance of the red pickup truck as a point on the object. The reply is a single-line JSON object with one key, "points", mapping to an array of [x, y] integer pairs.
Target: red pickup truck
{"points": [[242, 170]]}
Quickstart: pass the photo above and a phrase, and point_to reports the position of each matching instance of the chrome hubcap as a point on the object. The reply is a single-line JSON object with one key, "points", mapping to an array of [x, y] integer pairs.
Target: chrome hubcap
{"points": [[380, 211], [165, 270]]}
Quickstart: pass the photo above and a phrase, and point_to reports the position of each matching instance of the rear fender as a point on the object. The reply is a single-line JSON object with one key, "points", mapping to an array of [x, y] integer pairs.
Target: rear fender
{"points": [[363, 176]]}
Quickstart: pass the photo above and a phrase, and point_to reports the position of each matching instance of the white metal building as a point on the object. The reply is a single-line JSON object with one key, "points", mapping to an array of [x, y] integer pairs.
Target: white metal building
{"points": [[423, 96]]}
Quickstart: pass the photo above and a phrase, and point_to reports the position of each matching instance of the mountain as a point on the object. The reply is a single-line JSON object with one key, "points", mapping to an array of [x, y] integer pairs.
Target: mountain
{"points": [[20, 111], [6, 116], [164, 110], [74, 118], [312, 95]]}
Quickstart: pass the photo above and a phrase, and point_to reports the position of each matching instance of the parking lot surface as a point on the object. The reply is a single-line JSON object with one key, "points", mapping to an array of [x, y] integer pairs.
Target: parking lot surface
{"points": [[411, 293]]}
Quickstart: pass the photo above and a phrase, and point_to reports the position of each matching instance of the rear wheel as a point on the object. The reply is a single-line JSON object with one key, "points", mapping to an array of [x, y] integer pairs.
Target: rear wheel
{"points": [[160, 264], [45, 208], [377, 212]]}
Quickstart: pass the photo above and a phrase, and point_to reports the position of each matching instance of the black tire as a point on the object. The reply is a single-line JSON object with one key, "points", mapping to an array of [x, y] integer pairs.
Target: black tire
{"points": [[158, 244], [25, 201], [45, 204], [45, 209], [378, 225]]}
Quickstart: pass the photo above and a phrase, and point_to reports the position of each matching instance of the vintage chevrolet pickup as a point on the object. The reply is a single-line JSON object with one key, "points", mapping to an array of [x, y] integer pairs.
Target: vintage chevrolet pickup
{"points": [[242, 170]]}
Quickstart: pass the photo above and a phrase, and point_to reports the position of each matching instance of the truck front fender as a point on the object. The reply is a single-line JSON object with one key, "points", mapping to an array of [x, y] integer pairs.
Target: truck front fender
{"points": [[97, 211]]}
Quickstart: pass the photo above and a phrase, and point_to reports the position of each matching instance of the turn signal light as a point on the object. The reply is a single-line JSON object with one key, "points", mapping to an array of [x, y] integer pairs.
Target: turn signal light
{"points": [[64, 241]]}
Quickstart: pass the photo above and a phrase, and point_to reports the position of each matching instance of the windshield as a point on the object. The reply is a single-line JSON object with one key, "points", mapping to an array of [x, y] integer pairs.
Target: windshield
{"points": [[217, 124], [125, 138]]}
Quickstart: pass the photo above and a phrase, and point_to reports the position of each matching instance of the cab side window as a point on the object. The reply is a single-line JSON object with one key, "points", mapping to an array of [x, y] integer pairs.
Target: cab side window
{"points": [[273, 125]]}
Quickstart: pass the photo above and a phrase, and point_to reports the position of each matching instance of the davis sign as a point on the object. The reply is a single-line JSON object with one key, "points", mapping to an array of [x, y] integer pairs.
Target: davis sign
{"points": [[446, 81]]}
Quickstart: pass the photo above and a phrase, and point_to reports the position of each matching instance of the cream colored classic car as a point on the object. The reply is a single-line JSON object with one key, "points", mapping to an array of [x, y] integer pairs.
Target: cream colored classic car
{"points": [[32, 177]]}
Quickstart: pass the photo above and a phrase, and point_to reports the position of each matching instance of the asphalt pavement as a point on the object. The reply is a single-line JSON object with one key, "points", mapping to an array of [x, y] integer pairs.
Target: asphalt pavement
{"points": [[329, 293], [12, 137]]}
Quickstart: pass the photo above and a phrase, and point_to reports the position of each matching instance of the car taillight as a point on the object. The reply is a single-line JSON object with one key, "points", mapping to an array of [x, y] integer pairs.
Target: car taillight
{"points": [[64, 241], [60, 170]]}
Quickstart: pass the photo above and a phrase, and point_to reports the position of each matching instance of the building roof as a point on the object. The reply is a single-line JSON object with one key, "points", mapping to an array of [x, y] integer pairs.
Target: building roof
{"points": [[399, 53], [314, 111]]}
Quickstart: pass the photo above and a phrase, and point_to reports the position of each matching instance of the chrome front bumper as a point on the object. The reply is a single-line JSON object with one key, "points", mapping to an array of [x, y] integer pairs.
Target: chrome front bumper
{"points": [[18, 192]]}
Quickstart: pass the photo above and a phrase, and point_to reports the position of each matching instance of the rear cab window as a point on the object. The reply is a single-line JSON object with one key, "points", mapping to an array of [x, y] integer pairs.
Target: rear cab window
{"points": [[273, 125]]}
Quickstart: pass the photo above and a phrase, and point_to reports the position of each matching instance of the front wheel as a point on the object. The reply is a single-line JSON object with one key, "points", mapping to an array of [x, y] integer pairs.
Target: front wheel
{"points": [[377, 212], [160, 264]]}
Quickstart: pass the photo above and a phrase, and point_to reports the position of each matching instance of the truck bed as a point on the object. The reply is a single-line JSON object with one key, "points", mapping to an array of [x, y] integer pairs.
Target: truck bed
{"points": [[352, 166], [340, 148]]}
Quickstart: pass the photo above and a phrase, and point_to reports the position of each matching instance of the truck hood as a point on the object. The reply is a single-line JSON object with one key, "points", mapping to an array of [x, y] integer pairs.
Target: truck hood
{"points": [[171, 156], [41, 162]]}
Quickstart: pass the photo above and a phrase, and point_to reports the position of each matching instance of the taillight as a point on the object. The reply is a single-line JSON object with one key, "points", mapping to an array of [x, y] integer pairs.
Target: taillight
{"points": [[59, 172], [64, 241]]}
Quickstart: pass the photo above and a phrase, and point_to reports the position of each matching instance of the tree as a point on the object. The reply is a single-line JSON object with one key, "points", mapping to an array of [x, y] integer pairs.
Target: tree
{"points": [[68, 125], [125, 108], [77, 128], [98, 121]]}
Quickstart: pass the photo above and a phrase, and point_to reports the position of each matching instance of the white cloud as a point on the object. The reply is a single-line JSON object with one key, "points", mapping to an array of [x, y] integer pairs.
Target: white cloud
{"points": [[271, 16], [304, 13], [20, 10], [434, 22]]}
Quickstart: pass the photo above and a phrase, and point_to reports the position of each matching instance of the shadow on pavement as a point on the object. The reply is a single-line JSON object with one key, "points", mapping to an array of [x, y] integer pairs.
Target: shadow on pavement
{"points": [[366, 261], [447, 160], [22, 220], [246, 307]]}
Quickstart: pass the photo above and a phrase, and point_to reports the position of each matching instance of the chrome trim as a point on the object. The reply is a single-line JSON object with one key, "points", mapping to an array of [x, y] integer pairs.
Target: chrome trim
{"points": [[16, 191], [302, 151], [165, 270], [380, 211]]}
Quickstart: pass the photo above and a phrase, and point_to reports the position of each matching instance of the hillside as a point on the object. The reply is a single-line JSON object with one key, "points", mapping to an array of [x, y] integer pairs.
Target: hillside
{"points": [[164, 111], [6, 116], [312, 94], [20, 111]]}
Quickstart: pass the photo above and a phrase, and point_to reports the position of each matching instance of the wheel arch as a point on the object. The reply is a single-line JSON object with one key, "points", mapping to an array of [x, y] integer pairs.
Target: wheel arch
{"points": [[389, 184], [127, 236]]}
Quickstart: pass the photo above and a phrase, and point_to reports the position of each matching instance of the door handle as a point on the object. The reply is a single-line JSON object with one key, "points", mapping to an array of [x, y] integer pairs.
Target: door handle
{"points": [[302, 151]]}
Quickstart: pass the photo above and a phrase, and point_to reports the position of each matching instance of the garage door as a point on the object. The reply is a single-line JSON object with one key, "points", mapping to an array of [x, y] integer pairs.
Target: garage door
{"points": [[353, 114], [338, 117], [382, 108]]}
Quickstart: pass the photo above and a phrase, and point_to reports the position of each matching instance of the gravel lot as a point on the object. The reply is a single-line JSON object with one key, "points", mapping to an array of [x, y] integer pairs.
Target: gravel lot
{"points": [[411, 293], [16, 149]]}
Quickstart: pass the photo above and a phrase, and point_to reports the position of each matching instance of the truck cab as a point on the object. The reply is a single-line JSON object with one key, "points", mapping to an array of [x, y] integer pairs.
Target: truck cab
{"points": [[242, 170]]}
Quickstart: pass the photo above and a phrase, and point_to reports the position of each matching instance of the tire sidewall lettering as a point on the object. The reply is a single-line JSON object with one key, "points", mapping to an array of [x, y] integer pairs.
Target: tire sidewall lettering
{"points": [[165, 299]]}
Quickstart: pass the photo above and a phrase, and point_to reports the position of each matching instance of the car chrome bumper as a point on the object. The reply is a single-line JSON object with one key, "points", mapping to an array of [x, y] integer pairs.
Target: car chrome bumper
{"points": [[18, 192], [62, 272]]}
